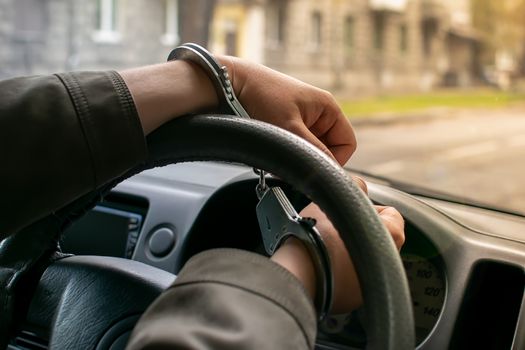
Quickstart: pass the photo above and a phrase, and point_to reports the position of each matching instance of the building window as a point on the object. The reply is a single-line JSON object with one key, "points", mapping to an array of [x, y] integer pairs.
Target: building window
{"points": [[349, 35], [231, 43], [403, 38], [171, 23], [429, 28], [378, 31], [107, 21], [30, 19], [316, 34], [276, 20]]}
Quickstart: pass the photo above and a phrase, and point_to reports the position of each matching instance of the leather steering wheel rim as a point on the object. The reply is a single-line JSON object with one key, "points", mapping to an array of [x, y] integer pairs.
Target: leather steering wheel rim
{"points": [[387, 304]]}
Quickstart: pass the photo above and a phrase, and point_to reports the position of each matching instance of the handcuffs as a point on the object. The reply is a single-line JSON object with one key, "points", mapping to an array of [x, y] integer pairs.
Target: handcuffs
{"points": [[277, 218]]}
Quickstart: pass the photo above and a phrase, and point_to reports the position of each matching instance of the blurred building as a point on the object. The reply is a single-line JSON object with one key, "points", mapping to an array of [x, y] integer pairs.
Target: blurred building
{"points": [[354, 46], [42, 36]]}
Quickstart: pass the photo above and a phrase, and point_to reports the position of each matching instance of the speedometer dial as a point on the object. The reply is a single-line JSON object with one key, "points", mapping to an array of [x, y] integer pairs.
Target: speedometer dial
{"points": [[426, 274], [427, 288]]}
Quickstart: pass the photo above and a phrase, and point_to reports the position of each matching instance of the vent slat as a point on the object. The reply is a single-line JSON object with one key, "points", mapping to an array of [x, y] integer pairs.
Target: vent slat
{"points": [[28, 341]]}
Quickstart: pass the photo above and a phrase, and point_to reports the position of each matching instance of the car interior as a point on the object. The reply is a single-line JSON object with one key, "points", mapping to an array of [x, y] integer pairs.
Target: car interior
{"points": [[437, 88], [464, 263]]}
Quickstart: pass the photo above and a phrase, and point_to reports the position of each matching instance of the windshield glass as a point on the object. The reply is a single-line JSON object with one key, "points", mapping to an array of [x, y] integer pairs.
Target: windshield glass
{"points": [[434, 88]]}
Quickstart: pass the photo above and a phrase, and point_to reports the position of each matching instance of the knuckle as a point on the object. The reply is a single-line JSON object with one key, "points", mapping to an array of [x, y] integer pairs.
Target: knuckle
{"points": [[395, 224], [398, 235], [400, 239], [361, 183], [353, 145], [327, 96]]}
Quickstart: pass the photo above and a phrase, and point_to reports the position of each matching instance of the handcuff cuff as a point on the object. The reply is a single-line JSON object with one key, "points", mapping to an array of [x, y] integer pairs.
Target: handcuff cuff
{"points": [[278, 220]]}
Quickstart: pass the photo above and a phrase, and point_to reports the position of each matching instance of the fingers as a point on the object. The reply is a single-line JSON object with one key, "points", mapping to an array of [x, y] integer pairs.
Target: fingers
{"points": [[305, 110], [306, 134], [361, 183], [338, 152], [337, 134], [333, 129], [394, 223], [339, 137], [309, 112]]}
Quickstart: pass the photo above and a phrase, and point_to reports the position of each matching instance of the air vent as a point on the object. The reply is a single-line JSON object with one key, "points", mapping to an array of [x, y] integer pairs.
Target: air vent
{"points": [[489, 314], [28, 341]]}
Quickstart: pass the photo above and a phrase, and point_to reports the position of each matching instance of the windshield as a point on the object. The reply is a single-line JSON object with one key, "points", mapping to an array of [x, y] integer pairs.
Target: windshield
{"points": [[434, 88]]}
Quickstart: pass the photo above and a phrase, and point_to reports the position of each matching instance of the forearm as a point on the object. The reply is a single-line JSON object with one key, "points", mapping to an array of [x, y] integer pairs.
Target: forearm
{"points": [[229, 299], [169, 90], [293, 256]]}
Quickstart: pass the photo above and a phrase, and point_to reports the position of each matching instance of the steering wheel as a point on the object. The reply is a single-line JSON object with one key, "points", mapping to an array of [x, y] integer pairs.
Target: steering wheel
{"points": [[93, 302]]}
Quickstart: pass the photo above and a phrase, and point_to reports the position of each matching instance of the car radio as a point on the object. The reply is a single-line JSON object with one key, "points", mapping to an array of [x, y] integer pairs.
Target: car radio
{"points": [[104, 231]]}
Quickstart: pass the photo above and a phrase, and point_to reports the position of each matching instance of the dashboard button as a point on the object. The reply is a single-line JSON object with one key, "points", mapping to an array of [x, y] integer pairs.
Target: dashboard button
{"points": [[161, 241]]}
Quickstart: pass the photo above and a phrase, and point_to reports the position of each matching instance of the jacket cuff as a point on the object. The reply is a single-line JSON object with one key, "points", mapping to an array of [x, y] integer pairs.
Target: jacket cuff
{"points": [[255, 274], [109, 121]]}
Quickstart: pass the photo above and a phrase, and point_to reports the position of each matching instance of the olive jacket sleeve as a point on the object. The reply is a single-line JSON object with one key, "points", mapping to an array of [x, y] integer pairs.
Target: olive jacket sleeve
{"points": [[229, 299], [62, 136], [65, 135]]}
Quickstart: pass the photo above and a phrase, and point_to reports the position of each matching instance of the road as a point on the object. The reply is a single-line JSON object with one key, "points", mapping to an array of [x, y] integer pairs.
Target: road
{"points": [[471, 153]]}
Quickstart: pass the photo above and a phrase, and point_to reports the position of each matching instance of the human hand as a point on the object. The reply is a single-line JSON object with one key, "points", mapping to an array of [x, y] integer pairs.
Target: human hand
{"points": [[347, 292], [305, 110], [166, 91]]}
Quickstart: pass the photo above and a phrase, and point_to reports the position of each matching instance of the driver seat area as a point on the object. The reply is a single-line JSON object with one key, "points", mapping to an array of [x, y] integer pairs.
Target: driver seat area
{"points": [[92, 302]]}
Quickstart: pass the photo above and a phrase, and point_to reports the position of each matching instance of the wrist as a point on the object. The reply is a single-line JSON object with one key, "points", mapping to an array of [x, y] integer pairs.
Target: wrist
{"points": [[202, 94], [236, 69], [293, 256], [216, 72]]}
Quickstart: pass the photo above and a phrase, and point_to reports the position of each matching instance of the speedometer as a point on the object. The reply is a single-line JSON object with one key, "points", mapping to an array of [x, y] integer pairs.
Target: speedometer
{"points": [[426, 275], [427, 288]]}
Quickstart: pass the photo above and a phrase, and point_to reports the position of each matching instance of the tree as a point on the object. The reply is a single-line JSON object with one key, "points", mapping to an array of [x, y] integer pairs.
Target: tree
{"points": [[502, 27]]}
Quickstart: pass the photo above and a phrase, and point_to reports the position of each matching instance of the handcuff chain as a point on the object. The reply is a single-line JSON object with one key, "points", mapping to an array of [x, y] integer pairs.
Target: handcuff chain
{"points": [[261, 187], [276, 215]]}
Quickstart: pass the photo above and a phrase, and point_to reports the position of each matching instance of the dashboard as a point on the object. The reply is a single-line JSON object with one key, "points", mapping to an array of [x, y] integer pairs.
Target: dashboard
{"points": [[465, 265]]}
